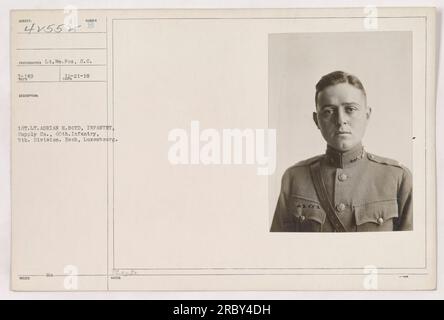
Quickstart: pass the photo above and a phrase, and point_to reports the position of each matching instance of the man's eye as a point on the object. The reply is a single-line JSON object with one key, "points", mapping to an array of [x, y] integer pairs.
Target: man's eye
{"points": [[327, 112], [350, 109]]}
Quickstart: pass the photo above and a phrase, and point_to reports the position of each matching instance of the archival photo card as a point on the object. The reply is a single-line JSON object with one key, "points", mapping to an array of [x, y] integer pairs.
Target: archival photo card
{"points": [[210, 150]]}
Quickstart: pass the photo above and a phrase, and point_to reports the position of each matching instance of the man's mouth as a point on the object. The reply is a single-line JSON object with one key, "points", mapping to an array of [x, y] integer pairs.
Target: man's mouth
{"points": [[340, 132]]}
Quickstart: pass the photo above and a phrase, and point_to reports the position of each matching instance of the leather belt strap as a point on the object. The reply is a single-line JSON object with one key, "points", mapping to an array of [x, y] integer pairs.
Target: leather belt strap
{"points": [[321, 191]]}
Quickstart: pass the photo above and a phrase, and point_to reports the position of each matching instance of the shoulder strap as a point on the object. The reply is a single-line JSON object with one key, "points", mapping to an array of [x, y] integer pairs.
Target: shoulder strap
{"points": [[382, 160], [315, 170]]}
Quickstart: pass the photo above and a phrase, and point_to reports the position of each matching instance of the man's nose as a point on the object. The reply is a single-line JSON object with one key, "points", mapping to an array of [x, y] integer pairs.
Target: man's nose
{"points": [[341, 117]]}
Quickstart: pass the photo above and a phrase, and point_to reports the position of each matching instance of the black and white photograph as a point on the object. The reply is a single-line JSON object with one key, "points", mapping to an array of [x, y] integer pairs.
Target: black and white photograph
{"points": [[222, 150], [356, 119]]}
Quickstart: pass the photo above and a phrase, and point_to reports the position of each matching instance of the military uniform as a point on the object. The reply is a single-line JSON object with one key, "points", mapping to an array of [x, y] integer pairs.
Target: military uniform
{"points": [[365, 193]]}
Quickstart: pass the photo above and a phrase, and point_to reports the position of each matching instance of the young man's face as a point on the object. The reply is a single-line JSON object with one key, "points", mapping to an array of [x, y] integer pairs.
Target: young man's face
{"points": [[342, 115]]}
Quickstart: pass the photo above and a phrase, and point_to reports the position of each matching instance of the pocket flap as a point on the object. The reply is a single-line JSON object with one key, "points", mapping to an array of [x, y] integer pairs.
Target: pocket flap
{"points": [[303, 208], [376, 212]]}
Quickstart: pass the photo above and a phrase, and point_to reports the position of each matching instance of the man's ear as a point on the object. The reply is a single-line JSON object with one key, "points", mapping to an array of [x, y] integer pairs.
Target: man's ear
{"points": [[315, 119], [369, 112]]}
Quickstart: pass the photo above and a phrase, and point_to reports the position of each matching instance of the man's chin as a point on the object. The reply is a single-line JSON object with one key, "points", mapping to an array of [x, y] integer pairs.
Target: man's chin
{"points": [[343, 146]]}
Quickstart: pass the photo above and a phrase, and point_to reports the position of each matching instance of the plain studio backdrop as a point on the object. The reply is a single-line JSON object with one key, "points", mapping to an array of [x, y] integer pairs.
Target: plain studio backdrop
{"points": [[381, 60]]}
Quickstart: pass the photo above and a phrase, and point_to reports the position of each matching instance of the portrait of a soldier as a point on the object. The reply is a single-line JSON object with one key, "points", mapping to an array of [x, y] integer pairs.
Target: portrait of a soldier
{"points": [[346, 189]]}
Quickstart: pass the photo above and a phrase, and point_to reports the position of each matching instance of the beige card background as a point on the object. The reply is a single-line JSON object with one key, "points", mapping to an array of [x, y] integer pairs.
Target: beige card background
{"points": [[127, 219]]}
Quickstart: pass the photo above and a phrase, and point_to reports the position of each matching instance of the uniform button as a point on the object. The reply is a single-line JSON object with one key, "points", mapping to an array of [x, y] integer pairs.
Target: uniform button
{"points": [[380, 221], [370, 156], [340, 207], [302, 218], [298, 210], [342, 177]]}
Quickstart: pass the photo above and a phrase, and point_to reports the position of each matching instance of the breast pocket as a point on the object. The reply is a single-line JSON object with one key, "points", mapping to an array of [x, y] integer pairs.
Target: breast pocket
{"points": [[376, 216], [307, 214]]}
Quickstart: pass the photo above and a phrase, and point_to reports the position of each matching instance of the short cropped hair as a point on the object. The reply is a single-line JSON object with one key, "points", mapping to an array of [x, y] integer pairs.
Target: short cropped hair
{"points": [[337, 77]]}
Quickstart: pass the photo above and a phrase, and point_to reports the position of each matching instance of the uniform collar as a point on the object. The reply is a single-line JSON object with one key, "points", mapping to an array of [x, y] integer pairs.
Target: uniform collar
{"points": [[344, 159]]}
